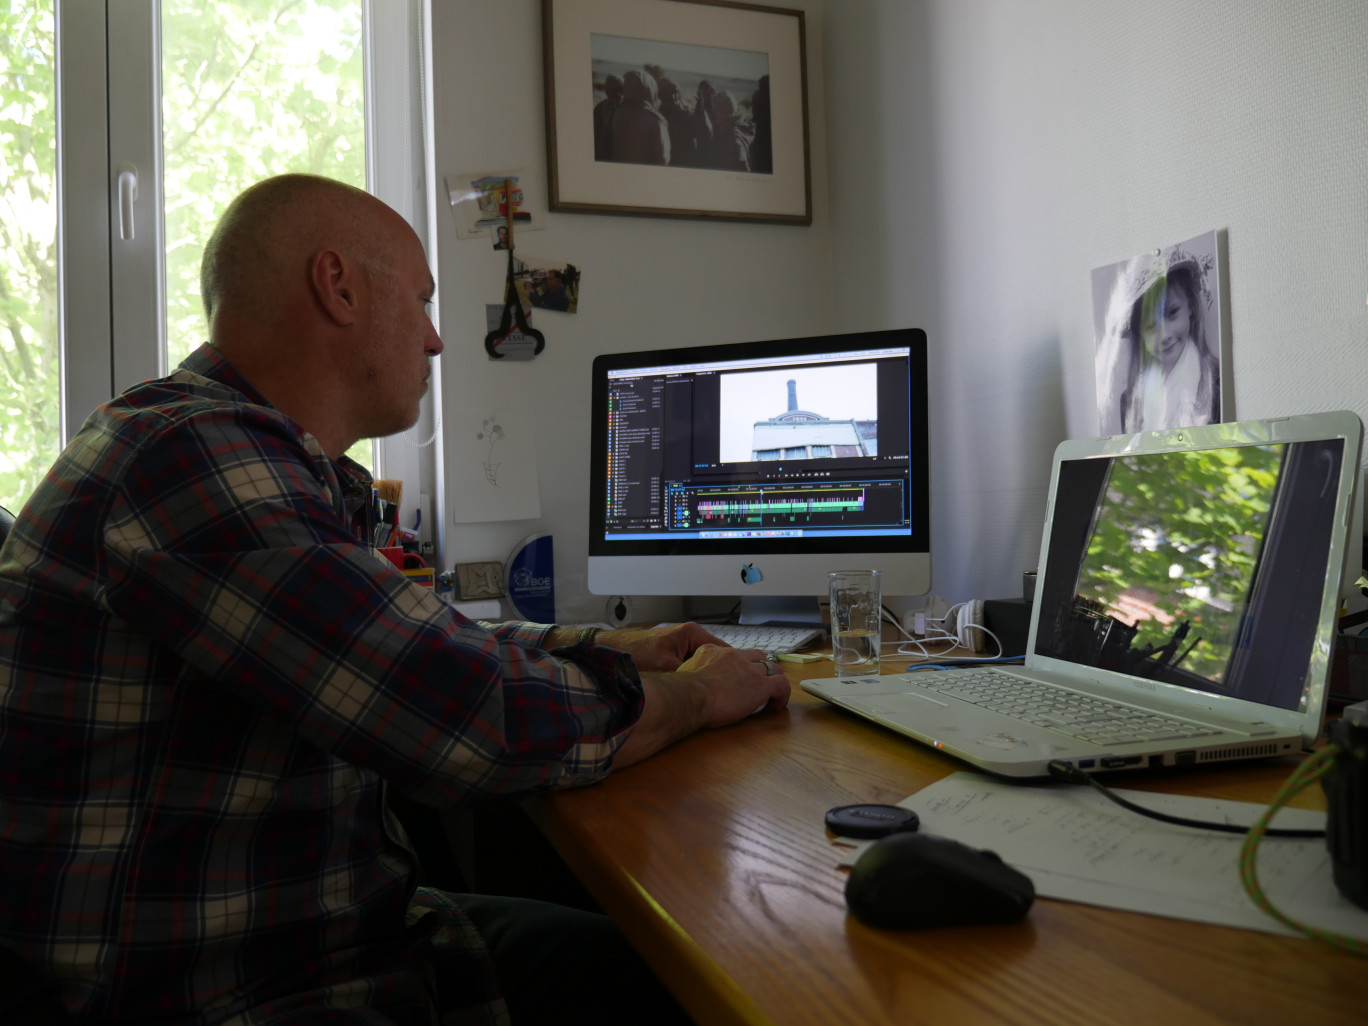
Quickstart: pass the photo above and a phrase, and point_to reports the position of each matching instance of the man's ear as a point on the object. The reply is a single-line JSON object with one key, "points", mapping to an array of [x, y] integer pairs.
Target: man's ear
{"points": [[333, 281]]}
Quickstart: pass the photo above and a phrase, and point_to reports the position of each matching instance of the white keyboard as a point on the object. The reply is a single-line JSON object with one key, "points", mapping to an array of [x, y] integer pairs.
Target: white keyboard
{"points": [[1083, 716], [773, 638]]}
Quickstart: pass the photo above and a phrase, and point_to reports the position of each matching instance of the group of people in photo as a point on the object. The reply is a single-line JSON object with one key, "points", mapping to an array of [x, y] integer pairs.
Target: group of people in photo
{"points": [[644, 118]]}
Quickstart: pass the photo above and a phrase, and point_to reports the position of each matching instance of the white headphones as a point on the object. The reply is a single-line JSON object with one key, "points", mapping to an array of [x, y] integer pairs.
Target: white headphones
{"points": [[969, 629]]}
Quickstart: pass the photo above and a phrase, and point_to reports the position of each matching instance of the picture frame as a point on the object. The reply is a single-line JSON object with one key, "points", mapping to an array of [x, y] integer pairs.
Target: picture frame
{"points": [[743, 65]]}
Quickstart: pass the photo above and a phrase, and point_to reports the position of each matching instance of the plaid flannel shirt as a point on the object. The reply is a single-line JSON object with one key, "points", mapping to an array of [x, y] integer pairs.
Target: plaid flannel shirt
{"points": [[207, 681]]}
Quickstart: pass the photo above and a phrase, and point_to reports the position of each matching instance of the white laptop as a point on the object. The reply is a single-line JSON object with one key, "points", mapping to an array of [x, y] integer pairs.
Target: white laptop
{"points": [[1189, 588]]}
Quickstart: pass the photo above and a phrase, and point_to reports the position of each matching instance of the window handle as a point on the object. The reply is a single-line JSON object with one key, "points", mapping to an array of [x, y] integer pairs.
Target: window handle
{"points": [[128, 192]]}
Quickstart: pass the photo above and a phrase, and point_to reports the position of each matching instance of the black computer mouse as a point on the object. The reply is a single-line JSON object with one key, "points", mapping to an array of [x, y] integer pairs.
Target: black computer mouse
{"points": [[909, 881]]}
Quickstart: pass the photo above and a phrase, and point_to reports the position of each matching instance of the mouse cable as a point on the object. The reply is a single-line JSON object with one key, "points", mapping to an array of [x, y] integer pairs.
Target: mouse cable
{"points": [[1304, 776], [1072, 774]]}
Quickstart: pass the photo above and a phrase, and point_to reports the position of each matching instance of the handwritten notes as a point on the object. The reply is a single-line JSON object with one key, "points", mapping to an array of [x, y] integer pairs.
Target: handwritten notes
{"points": [[1078, 846]]}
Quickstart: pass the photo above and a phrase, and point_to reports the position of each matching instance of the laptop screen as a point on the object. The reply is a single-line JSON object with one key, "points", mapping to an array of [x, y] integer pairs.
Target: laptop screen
{"points": [[1200, 568]]}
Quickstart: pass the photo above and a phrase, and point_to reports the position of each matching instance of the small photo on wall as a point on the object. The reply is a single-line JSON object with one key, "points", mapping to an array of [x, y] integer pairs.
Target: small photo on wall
{"points": [[480, 206], [547, 284], [1160, 337]]}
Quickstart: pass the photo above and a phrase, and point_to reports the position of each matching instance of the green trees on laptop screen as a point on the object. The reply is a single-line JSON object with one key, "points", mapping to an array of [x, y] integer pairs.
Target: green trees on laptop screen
{"points": [[1173, 551]]}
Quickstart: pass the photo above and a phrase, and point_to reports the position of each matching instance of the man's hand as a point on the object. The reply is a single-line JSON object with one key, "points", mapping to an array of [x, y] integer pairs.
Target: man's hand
{"points": [[736, 682], [715, 686], [658, 648]]}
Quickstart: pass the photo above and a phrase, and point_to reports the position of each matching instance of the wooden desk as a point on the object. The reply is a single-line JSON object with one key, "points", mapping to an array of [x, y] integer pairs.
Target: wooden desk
{"points": [[714, 859]]}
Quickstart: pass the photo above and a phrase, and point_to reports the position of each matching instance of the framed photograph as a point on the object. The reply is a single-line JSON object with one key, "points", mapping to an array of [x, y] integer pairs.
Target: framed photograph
{"points": [[677, 108]]}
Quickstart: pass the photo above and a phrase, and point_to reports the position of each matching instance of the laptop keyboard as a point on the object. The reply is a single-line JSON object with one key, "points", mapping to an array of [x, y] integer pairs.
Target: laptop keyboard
{"points": [[773, 638], [1085, 717]]}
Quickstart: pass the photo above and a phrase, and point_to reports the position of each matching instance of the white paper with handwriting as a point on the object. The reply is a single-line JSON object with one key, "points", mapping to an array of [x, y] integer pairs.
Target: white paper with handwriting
{"points": [[1078, 846]]}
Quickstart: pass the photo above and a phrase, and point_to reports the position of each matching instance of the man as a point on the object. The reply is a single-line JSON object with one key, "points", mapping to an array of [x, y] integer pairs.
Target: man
{"points": [[603, 117], [550, 293], [729, 147], [679, 120], [208, 680], [640, 134]]}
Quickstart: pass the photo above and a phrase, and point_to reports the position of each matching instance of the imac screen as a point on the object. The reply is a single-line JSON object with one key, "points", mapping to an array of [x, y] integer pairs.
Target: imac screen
{"points": [[756, 467]]}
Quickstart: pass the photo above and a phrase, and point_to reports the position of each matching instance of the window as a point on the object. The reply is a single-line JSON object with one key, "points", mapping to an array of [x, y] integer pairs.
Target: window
{"points": [[249, 89], [155, 116]]}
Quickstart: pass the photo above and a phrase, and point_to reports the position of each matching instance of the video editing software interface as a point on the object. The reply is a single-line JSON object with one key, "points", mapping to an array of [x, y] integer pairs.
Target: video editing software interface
{"points": [[760, 447]]}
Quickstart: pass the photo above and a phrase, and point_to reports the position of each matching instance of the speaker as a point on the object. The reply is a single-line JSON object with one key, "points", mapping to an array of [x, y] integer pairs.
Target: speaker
{"points": [[1010, 620]]}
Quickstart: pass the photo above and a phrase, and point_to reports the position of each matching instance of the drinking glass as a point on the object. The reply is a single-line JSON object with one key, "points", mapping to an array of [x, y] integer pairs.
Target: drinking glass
{"points": [[856, 615]]}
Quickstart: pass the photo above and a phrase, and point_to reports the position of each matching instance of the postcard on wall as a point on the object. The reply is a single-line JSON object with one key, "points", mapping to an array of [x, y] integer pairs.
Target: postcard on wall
{"points": [[547, 284], [1160, 338], [480, 205], [492, 458], [514, 345]]}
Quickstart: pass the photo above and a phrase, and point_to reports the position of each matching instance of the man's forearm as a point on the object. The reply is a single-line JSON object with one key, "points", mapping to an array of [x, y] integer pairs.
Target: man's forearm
{"points": [[562, 637], [675, 707]]}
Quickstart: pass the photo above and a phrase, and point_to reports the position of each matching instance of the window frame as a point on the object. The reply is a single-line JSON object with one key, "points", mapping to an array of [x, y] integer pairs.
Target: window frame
{"points": [[111, 287]]}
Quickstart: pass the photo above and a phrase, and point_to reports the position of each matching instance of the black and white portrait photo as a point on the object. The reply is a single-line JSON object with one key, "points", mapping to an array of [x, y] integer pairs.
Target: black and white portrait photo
{"points": [[1159, 338]]}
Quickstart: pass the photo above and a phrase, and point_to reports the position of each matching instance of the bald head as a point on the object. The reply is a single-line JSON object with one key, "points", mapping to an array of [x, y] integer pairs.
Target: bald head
{"points": [[263, 242], [317, 292]]}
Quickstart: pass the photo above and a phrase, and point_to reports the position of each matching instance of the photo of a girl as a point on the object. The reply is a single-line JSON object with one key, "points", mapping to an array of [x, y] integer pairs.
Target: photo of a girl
{"points": [[1158, 360]]}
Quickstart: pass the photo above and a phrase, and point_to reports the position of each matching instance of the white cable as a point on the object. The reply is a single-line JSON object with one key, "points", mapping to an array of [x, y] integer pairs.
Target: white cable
{"points": [[919, 650]]}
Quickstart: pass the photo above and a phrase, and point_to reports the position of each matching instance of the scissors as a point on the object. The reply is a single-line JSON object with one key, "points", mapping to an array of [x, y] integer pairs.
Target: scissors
{"points": [[513, 316]]}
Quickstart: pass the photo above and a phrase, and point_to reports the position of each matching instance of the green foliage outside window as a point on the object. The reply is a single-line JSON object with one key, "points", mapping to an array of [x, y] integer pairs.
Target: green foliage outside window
{"points": [[30, 420], [250, 88]]}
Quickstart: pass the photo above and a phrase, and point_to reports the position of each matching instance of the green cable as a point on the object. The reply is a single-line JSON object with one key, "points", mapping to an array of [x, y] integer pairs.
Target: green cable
{"points": [[1306, 774]]}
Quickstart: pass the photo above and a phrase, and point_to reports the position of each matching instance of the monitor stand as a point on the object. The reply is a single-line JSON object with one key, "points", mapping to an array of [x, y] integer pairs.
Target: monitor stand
{"points": [[781, 609]]}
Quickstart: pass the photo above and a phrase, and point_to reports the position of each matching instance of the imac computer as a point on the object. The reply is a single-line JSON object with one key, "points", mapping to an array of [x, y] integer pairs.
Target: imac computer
{"points": [[753, 469]]}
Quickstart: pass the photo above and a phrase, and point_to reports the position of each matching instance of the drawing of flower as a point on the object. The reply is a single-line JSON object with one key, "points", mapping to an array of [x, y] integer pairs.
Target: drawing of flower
{"points": [[490, 430]]}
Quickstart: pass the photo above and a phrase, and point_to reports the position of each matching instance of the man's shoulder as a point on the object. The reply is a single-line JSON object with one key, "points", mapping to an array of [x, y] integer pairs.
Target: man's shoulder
{"points": [[185, 419], [203, 386], [182, 399], [180, 394]]}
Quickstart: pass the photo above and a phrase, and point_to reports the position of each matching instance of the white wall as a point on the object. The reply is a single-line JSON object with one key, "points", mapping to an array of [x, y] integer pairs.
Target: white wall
{"points": [[648, 282], [973, 161], [986, 155]]}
